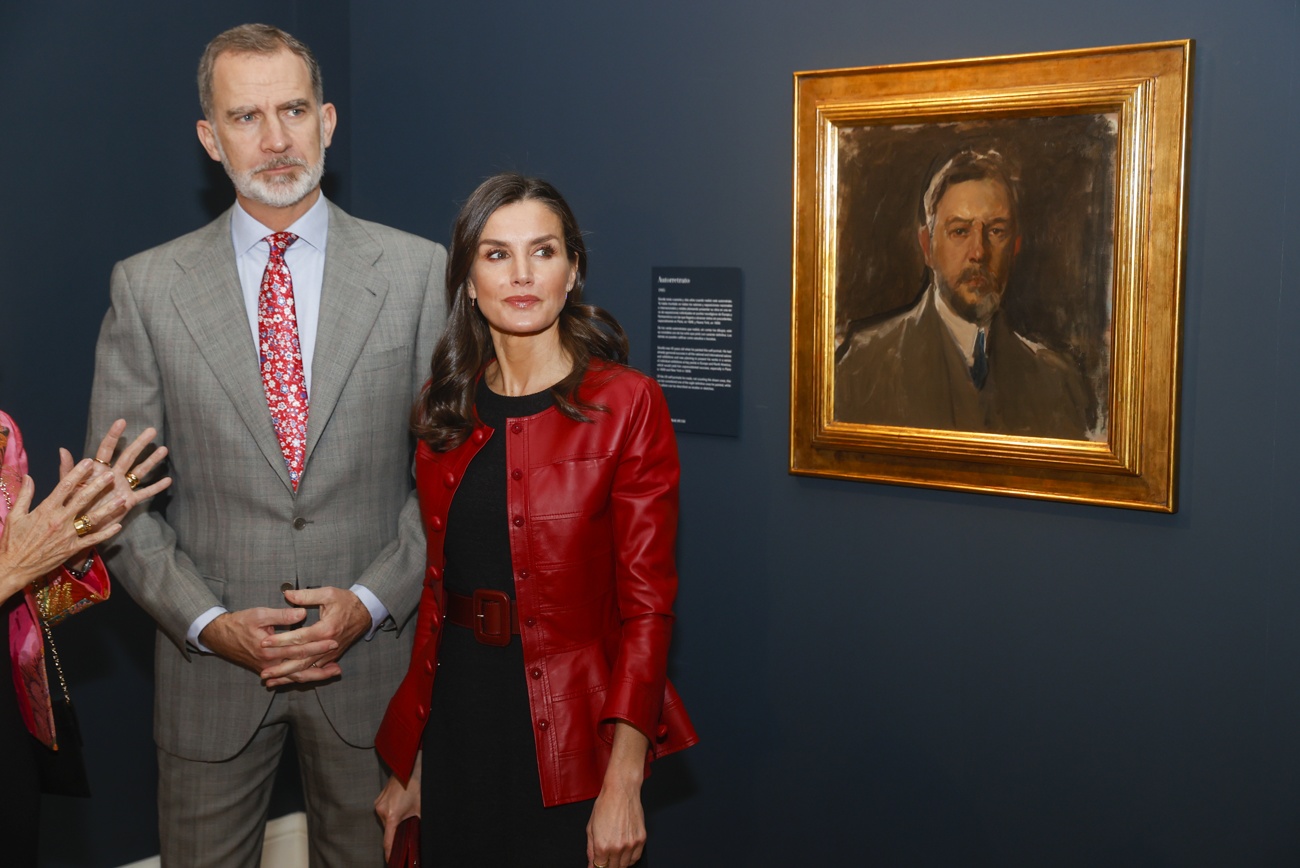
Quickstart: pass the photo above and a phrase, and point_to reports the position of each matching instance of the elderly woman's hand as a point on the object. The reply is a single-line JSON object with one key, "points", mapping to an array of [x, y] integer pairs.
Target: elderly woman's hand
{"points": [[78, 514], [128, 477]]}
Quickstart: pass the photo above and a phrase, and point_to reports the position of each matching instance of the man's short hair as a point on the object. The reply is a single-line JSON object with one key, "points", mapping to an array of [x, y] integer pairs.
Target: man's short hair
{"points": [[970, 165], [253, 39]]}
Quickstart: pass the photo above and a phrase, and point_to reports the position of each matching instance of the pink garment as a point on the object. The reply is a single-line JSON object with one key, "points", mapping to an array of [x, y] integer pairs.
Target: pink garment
{"points": [[26, 643]]}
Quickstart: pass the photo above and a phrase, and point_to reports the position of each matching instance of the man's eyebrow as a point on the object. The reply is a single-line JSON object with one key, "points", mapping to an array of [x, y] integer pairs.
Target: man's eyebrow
{"points": [[295, 103]]}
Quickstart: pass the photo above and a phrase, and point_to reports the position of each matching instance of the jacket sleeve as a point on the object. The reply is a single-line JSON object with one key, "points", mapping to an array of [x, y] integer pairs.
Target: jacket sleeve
{"points": [[128, 385], [393, 575], [643, 507]]}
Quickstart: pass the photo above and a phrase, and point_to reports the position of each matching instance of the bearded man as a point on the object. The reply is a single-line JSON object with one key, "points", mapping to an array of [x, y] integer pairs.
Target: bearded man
{"points": [[279, 349], [951, 361]]}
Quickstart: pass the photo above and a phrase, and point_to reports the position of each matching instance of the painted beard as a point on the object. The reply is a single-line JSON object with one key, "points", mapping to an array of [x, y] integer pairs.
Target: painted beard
{"points": [[276, 191], [986, 304]]}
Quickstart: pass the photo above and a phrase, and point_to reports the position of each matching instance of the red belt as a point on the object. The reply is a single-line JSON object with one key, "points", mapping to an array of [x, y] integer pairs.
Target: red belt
{"points": [[492, 615]]}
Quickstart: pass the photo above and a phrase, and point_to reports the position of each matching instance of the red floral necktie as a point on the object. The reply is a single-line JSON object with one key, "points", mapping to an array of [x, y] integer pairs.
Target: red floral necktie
{"points": [[281, 356]]}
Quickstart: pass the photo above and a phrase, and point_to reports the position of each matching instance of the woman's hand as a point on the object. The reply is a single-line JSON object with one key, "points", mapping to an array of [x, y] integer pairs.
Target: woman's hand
{"points": [[125, 469], [398, 802], [36, 541], [616, 832], [119, 470]]}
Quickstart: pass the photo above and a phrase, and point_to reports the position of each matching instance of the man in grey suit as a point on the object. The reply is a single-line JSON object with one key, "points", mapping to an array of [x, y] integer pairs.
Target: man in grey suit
{"points": [[277, 350]]}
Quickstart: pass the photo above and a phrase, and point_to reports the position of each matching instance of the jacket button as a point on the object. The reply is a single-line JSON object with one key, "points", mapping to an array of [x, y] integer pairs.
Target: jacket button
{"points": [[516, 474], [435, 573], [531, 622], [516, 427], [519, 521], [543, 725], [299, 523], [524, 574], [480, 435], [421, 712], [435, 523], [428, 666], [662, 732], [536, 673], [449, 480]]}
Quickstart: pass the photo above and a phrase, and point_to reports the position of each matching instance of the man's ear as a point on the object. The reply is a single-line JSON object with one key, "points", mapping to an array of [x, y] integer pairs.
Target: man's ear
{"points": [[923, 236], [1015, 251], [208, 138], [329, 120]]}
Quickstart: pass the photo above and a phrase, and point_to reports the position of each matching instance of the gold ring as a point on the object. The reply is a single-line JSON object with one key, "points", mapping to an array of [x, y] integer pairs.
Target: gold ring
{"points": [[132, 480], [82, 524], [101, 461]]}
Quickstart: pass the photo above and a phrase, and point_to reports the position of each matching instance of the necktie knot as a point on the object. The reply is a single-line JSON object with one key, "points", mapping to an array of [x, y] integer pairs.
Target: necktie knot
{"points": [[280, 242]]}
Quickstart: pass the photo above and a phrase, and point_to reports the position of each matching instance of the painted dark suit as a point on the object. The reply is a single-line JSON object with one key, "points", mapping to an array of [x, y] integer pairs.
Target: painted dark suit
{"points": [[908, 371]]}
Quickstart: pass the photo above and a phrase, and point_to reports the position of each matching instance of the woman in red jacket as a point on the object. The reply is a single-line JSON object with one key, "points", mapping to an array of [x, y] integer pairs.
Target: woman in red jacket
{"points": [[548, 475]]}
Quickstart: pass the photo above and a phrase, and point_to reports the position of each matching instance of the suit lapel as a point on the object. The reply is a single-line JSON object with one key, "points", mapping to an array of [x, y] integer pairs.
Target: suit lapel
{"points": [[211, 305], [352, 294]]}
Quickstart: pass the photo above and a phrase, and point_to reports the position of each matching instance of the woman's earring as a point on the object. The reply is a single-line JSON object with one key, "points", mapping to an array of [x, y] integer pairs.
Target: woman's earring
{"points": [[472, 301]]}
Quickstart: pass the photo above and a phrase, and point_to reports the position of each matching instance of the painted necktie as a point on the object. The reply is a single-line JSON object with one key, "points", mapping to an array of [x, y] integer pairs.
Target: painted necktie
{"points": [[979, 371], [280, 356]]}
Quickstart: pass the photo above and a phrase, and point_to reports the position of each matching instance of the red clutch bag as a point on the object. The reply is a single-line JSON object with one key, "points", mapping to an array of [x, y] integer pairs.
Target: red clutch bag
{"points": [[406, 845]]}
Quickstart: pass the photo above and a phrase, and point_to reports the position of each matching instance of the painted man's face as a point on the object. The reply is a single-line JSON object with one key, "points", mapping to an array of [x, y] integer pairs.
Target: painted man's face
{"points": [[972, 247]]}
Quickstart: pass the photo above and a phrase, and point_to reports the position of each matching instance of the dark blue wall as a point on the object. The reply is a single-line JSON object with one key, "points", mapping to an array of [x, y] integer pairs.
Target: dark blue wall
{"points": [[881, 675]]}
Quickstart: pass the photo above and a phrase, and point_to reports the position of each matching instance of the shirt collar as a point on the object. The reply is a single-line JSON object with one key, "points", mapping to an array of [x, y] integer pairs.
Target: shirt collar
{"points": [[311, 228], [963, 331]]}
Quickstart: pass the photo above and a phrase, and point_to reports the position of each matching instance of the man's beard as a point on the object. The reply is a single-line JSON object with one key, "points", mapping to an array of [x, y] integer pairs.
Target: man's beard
{"points": [[986, 304], [277, 191]]}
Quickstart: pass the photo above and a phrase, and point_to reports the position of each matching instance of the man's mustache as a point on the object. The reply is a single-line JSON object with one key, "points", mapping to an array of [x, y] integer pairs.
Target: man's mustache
{"points": [[281, 163], [972, 272]]}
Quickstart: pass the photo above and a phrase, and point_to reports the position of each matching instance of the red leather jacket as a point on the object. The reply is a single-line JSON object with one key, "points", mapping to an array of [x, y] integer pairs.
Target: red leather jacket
{"points": [[593, 523]]}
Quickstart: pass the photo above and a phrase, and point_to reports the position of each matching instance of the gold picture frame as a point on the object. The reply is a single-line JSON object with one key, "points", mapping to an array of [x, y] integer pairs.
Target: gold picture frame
{"points": [[1077, 395]]}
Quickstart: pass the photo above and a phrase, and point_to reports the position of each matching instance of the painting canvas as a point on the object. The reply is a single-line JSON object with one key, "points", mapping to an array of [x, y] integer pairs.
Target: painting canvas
{"points": [[1049, 297], [988, 273]]}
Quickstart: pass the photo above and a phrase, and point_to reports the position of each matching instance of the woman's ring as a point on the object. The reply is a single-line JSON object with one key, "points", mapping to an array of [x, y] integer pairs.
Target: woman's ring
{"points": [[82, 524], [103, 462], [132, 480]]}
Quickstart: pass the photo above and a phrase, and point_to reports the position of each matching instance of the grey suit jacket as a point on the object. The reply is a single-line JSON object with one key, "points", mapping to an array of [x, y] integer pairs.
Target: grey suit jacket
{"points": [[908, 371], [175, 352]]}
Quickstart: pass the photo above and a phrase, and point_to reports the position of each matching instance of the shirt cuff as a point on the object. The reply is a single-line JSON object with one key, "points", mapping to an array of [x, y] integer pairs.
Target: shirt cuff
{"points": [[378, 611], [192, 637]]}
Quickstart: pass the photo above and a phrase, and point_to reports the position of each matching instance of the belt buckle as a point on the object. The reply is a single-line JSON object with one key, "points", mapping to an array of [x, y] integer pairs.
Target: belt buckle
{"points": [[492, 617]]}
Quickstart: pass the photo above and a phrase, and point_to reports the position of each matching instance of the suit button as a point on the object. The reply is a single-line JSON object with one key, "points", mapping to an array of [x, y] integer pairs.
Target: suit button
{"points": [[516, 474], [536, 673], [286, 586], [449, 480], [435, 523], [421, 712], [531, 622], [299, 523], [519, 521], [543, 725], [516, 428]]}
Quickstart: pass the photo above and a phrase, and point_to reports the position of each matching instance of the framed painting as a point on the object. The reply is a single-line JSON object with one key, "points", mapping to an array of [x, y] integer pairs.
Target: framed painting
{"points": [[988, 261]]}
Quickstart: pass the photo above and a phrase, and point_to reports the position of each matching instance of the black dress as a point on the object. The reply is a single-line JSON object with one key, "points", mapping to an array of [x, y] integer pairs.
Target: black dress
{"points": [[481, 797], [20, 794]]}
